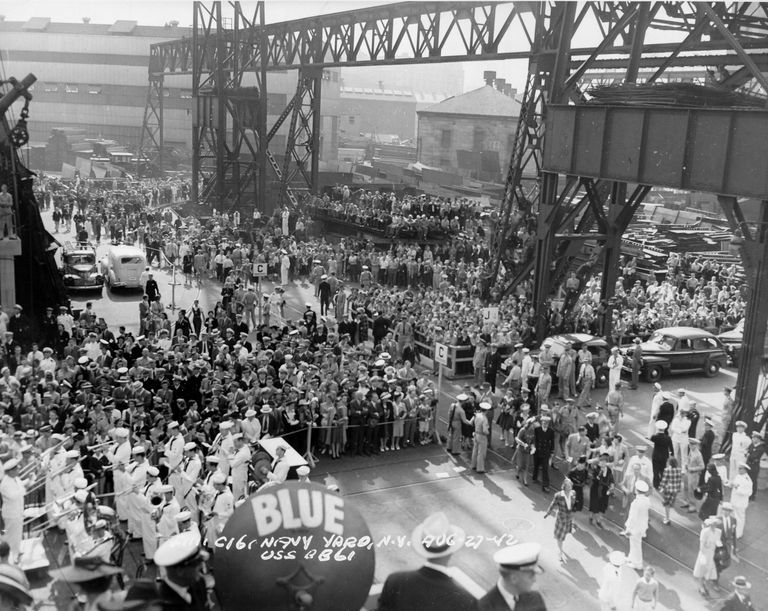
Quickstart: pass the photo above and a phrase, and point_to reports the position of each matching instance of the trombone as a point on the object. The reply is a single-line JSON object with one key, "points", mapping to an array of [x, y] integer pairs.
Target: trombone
{"points": [[52, 522], [99, 445], [40, 482]]}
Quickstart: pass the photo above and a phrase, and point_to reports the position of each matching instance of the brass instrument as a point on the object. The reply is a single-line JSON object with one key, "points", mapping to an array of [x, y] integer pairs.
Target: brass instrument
{"points": [[53, 521], [158, 503], [99, 445], [40, 482]]}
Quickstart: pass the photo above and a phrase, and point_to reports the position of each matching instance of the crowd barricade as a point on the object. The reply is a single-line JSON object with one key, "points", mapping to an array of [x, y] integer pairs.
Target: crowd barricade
{"points": [[459, 357]]}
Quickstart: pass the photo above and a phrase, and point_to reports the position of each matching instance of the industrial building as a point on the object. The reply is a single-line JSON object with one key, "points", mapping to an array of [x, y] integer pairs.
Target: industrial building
{"points": [[470, 134], [93, 78]]}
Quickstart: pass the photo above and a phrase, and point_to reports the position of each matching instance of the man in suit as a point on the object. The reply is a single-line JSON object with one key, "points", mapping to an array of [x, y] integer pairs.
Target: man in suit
{"points": [[544, 441], [739, 600], [518, 567], [435, 586]]}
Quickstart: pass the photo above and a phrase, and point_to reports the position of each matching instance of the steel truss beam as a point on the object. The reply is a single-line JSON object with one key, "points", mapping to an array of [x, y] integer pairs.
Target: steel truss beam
{"points": [[151, 144], [229, 123]]}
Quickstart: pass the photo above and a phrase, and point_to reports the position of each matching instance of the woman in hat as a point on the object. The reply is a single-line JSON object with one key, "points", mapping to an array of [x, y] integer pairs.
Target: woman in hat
{"points": [[600, 489], [563, 506], [712, 493], [704, 569]]}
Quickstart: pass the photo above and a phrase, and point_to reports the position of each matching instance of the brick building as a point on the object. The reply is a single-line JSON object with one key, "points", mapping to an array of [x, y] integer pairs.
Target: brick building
{"points": [[470, 134]]}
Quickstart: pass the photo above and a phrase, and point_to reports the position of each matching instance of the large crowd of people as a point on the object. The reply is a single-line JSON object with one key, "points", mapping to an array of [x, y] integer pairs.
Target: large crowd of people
{"points": [[157, 433]]}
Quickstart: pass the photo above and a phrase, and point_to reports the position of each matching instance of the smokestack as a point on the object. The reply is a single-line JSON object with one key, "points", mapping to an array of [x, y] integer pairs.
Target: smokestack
{"points": [[489, 76], [512, 92], [500, 83]]}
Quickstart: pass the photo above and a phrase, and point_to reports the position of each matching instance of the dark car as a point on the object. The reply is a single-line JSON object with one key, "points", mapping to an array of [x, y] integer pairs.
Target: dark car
{"points": [[675, 350], [732, 340], [598, 346], [79, 269]]}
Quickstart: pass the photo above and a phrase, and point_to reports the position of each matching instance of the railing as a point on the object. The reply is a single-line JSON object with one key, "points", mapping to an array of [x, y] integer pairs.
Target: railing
{"points": [[459, 357]]}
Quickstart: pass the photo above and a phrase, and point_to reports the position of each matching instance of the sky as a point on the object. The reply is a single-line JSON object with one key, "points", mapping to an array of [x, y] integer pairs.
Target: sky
{"points": [[148, 12], [159, 12]]}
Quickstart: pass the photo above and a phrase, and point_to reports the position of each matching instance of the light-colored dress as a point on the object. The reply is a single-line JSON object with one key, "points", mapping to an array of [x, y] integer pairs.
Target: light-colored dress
{"points": [[705, 568]]}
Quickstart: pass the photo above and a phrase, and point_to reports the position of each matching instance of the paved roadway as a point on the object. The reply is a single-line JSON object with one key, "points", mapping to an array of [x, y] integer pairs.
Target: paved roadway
{"points": [[494, 508]]}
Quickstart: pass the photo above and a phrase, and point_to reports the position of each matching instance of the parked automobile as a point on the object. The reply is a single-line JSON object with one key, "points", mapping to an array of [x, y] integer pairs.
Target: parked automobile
{"points": [[79, 269], [674, 350], [123, 266], [598, 346], [732, 340]]}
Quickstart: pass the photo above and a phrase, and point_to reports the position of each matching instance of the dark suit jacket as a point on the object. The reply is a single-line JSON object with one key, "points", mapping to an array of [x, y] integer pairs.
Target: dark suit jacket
{"points": [[493, 601], [424, 589], [732, 603]]}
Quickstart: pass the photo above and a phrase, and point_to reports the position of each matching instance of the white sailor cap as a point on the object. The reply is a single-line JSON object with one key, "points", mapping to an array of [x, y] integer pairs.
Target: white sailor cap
{"points": [[218, 478], [178, 549], [520, 557], [153, 471], [302, 471], [189, 446], [183, 516], [10, 464], [121, 431], [81, 496], [165, 488], [138, 450], [641, 486]]}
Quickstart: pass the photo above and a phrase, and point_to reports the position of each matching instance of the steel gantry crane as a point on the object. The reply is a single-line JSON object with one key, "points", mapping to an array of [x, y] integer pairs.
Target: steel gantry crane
{"points": [[585, 187]]}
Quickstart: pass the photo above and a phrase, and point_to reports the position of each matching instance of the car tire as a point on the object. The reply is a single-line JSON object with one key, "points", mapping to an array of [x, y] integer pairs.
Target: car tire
{"points": [[711, 369], [653, 373]]}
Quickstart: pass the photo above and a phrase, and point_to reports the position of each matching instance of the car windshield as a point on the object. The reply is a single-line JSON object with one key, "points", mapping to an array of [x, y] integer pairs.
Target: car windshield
{"points": [[130, 259], [80, 259], [663, 341]]}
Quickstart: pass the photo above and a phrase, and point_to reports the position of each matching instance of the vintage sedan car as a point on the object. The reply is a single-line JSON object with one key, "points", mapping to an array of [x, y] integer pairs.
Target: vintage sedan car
{"points": [[732, 340], [598, 346], [79, 269], [674, 350]]}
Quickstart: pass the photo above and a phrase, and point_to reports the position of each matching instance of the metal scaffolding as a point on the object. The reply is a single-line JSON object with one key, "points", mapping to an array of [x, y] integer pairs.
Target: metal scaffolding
{"points": [[725, 41]]}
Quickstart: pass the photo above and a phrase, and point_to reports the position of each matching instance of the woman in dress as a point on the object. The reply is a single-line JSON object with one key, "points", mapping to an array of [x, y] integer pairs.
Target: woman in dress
{"points": [[600, 489], [712, 493], [524, 441], [704, 569], [385, 426], [562, 503], [670, 486], [398, 415], [506, 420]]}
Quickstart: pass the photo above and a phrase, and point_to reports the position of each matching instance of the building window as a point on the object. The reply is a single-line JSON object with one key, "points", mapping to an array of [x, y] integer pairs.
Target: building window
{"points": [[186, 94], [478, 139], [94, 90], [51, 88], [351, 119], [71, 89], [445, 137]]}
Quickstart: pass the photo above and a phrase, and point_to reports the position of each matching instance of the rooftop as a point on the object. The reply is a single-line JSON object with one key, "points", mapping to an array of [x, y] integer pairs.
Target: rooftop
{"points": [[485, 101]]}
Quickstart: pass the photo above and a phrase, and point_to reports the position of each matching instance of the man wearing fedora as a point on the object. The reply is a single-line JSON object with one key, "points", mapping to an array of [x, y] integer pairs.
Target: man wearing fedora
{"points": [[93, 578], [739, 600], [434, 585], [518, 567]]}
